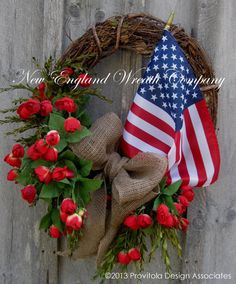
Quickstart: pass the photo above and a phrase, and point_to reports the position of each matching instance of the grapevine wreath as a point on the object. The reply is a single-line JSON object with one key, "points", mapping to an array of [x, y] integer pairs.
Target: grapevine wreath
{"points": [[77, 169]]}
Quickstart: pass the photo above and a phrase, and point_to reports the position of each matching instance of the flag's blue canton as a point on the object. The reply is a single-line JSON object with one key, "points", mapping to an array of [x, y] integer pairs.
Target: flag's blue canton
{"points": [[173, 92]]}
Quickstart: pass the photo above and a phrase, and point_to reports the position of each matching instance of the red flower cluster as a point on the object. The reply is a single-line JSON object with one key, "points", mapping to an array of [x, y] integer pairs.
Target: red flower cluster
{"points": [[45, 175], [14, 159], [126, 257], [135, 222], [31, 107], [167, 219], [69, 215], [43, 148]]}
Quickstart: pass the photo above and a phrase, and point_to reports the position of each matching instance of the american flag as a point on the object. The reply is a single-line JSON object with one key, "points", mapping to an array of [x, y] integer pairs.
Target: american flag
{"points": [[169, 117]]}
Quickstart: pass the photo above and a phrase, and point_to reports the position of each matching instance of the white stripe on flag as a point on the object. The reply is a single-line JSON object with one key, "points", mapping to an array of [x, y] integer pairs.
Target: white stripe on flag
{"points": [[154, 110], [141, 145], [202, 143], [174, 174], [187, 153], [172, 156], [150, 129]]}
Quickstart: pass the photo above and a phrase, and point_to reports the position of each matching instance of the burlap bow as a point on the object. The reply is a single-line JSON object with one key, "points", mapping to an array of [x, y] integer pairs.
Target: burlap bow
{"points": [[134, 182]]}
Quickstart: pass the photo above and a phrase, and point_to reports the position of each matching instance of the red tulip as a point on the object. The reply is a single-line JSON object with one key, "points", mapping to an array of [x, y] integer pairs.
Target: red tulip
{"points": [[54, 232], [12, 161], [184, 224], [41, 146], [52, 138], [18, 151], [68, 206], [84, 80], [63, 216], [51, 155], [134, 254], [123, 258], [12, 175], [29, 108], [71, 124], [33, 153], [164, 217], [66, 103], [74, 221], [43, 174], [131, 222], [144, 221], [28, 193], [45, 108], [66, 72]]}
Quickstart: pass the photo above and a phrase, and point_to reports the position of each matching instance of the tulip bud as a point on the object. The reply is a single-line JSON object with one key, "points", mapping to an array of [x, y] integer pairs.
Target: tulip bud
{"points": [[51, 155], [28, 193], [43, 174], [54, 232], [41, 147], [45, 108], [18, 151], [71, 124], [134, 254], [74, 221], [68, 206], [84, 80], [52, 138], [123, 258], [12, 161], [132, 222], [33, 153], [12, 175], [144, 221]]}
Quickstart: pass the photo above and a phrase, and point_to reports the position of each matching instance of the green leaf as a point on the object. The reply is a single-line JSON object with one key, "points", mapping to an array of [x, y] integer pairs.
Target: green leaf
{"points": [[85, 196], [24, 179], [157, 202], [162, 183], [50, 190], [85, 167], [62, 145], [46, 221], [172, 189], [56, 219], [25, 162], [168, 200], [71, 166], [78, 135], [68, 155], [40, 162], [56, 122], [86, 184], [85, 119], [65, 181]]}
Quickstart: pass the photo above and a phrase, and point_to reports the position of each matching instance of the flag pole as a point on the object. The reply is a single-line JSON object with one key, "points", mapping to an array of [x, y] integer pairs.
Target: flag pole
{"points": [[170, 21]]}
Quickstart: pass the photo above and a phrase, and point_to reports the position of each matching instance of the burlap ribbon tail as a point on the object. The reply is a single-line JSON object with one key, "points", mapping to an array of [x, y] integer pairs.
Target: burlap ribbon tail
{"points": [[134, 182]]}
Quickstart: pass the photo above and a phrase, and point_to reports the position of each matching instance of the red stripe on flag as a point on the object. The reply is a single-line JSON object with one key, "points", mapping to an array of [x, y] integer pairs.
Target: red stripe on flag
{"points": [[152, 119], [177, 144], [210, 135], [193, 143], [128, 150], [147, 138], [183, 171]]}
